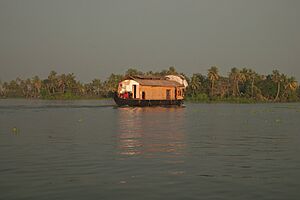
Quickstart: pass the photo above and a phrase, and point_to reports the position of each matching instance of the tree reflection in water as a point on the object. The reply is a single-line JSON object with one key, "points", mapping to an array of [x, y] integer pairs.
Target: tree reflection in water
{"points": [[151, 131]]}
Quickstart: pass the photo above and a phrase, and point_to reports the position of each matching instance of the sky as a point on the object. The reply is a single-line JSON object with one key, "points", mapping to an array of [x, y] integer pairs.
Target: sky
{"points": [[94, 38]]}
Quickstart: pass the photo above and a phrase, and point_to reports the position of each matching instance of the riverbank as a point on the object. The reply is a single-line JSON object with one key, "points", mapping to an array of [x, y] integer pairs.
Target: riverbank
{"points": [[229, 100], [63, 98], [240, 86]]}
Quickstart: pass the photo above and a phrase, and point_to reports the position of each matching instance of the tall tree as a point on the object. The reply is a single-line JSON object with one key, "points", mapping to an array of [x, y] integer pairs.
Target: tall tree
{"points": [[250, 77], [97, 87], [195, 83], [53, 81], [62, 81], [37, 83], [234, 77], [290, 89], [172, 71], [133, 72], [27, 88], [213, 76], [277, 78], [1, 89], [292, 84], [111, 84]]}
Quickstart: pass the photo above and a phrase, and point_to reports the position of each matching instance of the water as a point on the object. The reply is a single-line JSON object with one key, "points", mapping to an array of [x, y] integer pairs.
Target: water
{"points": [[93, 150]]}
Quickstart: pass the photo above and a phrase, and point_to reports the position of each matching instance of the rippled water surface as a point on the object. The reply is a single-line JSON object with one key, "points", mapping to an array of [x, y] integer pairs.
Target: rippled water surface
{"points": [[93, 150]]}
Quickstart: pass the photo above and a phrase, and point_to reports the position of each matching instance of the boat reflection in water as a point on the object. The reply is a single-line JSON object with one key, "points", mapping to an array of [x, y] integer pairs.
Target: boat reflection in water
{"points": [[151, 131]]}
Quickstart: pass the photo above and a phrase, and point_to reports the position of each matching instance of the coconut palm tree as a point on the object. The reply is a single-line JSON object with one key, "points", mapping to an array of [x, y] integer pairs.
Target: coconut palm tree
{"points": [[133, 72], [290, 87], [96, 87], [195, 83], [292, 84], [37, 85], [18, 80], [82, 89], [1, 89], [27, 88], [4, 89], [277, 78], [62, 83], [53, 81], [111, 84], [13, 88], [213, 76], [234, 80], [250, 76], [172, 71], [71, 82]]}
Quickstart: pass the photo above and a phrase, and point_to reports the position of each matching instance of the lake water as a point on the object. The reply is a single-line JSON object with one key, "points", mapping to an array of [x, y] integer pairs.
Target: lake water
{"points": [[92, 150]]}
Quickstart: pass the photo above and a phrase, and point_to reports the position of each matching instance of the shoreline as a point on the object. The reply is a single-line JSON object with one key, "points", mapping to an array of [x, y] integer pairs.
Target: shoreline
{"points": [[239, 86], [218, 101]]}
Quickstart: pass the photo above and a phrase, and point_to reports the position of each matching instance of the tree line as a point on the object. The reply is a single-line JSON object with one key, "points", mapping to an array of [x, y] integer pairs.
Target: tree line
{"points": [[241, 85]]}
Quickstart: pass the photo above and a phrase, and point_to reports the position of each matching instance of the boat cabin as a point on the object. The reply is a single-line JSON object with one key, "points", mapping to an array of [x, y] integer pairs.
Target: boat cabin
{"points": [[170, 87]]}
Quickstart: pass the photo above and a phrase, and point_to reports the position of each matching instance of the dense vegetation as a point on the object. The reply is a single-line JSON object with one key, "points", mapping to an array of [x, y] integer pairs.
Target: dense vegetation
{"points": [[240, 86]]}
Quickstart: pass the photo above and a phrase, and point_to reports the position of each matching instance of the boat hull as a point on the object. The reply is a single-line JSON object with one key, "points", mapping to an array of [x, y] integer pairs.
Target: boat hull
{"points": [[143, 103]]}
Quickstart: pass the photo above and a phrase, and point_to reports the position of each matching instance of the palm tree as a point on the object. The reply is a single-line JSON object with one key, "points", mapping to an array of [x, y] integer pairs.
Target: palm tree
{"points": [[213, 76], [27, 88], [37, 84], [18, 80], [251, 76], [20, 87], [96, 87], [290, 87], [150, 73], [292, 84], [277, 78], [133, 72], [195, 83], [53, 81], [13, 88], [1, 89], [71, 82], [4, 89], [62, 83], [111, 84], [234, 77], [172, 71], [222, 87]]}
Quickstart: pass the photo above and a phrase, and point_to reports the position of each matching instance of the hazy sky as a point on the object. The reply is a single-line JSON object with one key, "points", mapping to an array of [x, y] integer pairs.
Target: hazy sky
{"points": [[96, 38]]}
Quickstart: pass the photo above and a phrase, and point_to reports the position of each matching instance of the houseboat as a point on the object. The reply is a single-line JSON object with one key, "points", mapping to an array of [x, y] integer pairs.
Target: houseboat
{"points": [[151, 91]]}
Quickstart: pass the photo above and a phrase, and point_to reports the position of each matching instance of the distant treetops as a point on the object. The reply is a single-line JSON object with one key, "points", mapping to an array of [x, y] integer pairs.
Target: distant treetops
{"points": [[240, 84]]}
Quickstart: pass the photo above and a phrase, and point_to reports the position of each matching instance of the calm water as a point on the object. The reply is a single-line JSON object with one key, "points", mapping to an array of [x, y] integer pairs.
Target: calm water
{"points": [[91, 150]]}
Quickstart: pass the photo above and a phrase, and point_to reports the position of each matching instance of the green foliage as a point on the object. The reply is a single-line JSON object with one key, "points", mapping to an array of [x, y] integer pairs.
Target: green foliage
{"points": [[43, 93], [267, 87], [133, 72], [199, 97], [241, 86]]}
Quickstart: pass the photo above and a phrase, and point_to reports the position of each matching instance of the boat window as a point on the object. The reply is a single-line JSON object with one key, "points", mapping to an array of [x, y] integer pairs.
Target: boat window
{"points": [[143, 95]]}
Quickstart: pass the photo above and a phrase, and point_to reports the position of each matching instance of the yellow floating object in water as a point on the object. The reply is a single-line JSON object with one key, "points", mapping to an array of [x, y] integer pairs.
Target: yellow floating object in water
{"points": [[15, 130]]}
